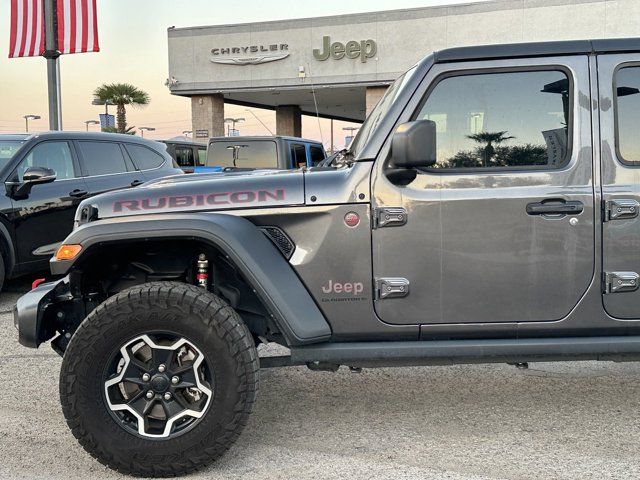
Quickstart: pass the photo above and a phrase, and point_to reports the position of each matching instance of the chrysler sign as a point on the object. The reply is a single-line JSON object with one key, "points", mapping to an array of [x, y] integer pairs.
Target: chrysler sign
{"points": [[250, 54]]}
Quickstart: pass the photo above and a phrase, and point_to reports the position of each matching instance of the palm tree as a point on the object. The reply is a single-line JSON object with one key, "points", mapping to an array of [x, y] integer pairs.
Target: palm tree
{"points": [[121, 94], [489, 138]]}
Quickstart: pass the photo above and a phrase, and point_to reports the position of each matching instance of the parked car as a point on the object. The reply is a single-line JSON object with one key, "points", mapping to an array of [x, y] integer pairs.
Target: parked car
{"points": [[487, 211], [47, 175], [188, 155], [279, 152]]}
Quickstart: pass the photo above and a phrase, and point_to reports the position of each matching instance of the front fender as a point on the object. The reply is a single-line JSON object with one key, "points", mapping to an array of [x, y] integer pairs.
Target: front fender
{"points": [[262, 265]]}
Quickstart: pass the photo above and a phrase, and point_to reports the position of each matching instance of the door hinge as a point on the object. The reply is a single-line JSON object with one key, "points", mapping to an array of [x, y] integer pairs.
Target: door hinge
{"points": [[620, 209], [389, 217], [392, 287], [616, 282]]}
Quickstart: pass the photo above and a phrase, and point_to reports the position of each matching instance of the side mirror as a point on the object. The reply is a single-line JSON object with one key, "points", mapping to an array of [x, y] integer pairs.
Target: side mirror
{"points": [[33, 176], [414, 145]]}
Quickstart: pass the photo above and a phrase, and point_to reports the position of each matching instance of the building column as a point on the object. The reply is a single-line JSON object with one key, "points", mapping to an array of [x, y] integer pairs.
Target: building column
{"points": [[207, 115], [373, 96], [289, 120]]}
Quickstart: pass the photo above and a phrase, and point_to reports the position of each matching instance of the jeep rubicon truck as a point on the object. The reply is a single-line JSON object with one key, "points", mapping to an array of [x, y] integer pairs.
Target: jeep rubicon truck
{"points": [[486, 212]]}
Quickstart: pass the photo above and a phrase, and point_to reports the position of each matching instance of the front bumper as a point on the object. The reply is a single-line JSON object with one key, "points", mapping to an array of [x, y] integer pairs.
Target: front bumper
{"points": [[29, 314]]}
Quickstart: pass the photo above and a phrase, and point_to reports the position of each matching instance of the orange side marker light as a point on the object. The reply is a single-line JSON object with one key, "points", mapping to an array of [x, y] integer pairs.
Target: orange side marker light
{"points": [[68, 252]]}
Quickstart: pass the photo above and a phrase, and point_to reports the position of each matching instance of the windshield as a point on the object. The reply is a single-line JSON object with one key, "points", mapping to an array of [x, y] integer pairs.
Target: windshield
{"points": [[380, 111], [8, 148]]}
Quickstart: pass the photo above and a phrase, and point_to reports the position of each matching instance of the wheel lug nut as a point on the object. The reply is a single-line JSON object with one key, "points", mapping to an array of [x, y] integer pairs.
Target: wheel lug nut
{"points": [[149, 394], [175, 380], [167, 396], [146, 377], [162, 368]]}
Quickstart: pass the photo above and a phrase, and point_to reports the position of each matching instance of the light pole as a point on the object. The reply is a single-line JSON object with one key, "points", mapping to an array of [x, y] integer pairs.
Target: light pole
{"points": [[350, 130], [258, 118], [90, 122], [149, 129], [97, 101], [27, 118], [233, 121]]}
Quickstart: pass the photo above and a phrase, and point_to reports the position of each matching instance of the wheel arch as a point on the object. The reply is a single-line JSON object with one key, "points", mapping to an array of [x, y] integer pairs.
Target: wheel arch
{"points": [[268, 273]]}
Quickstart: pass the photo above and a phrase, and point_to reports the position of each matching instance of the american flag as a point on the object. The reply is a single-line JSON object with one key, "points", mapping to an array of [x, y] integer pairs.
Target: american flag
{"points": [[27, 28], [77, 27]]}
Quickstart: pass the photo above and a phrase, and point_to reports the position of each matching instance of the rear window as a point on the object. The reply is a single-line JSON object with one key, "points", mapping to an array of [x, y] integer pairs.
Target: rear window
{"points": [[184, 156], [102, 158], [248, 154], [627, 92], [144, 158]]}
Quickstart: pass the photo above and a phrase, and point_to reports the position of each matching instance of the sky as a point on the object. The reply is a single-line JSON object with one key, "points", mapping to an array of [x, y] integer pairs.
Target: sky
{"points": [[133, 44]]}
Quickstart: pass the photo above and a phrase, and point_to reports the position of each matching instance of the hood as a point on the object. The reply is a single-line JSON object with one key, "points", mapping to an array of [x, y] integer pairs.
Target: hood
{"points": [[217, 191]]}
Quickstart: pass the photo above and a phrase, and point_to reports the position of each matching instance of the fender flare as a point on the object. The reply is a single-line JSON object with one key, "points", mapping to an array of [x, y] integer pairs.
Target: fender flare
{"points": [[260, 262]]}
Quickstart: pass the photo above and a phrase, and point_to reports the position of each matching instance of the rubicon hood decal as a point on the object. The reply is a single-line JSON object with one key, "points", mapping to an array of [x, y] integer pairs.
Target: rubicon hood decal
{"points": [[212, 199], [204, 192]]}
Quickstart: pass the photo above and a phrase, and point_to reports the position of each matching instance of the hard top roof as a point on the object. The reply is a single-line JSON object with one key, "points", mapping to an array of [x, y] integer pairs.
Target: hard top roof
{"points": [[538, 49], [264, 137]]}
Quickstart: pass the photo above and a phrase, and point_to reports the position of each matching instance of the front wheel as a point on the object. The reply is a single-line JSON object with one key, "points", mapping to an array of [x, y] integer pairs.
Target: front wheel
{"points": [[159, 380]]}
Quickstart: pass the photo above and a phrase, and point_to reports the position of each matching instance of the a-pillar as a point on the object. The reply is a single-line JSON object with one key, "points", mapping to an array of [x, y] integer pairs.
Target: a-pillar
{"points": [[207, 116], [373, 96], [289, 120]]}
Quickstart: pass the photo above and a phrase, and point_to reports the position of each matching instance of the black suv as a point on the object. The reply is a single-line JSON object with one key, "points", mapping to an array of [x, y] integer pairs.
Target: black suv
{"points": [[47, 175]]}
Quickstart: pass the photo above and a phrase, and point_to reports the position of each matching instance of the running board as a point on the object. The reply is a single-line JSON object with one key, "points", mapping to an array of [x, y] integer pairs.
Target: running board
{"points": [[447, 352]]}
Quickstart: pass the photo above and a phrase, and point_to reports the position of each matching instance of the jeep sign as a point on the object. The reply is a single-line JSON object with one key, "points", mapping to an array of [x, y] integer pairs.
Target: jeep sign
{"points": [[337, 50]]}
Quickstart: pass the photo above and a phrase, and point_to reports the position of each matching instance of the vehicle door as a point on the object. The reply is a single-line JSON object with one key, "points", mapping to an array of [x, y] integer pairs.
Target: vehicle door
{"points": [[298, 155], [106, 167], [619, 81], [501, 227], [44, 216]]}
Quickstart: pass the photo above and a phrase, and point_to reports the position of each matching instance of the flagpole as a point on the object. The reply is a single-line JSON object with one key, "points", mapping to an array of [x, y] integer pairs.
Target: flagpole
{"points": [[52, 55]]}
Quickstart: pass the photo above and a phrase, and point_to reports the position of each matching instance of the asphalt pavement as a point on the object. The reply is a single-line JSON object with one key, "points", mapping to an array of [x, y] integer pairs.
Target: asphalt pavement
{"points": [[552, 421]]}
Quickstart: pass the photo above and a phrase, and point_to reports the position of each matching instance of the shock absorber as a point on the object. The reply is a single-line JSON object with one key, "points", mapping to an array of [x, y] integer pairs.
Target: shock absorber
{"points": [[202, 276]]}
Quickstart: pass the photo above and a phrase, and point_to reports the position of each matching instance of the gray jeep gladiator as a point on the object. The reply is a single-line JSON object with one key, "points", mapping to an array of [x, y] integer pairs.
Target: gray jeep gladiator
{"points": [[487, 211]]}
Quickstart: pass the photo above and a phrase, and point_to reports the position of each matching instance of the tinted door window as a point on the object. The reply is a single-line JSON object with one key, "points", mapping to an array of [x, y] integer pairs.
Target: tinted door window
{"points": [[252, 154], [102, 158], [317, 154], [501, 120], [298, 155], [627, 92], [144, 158], [53, 155]]}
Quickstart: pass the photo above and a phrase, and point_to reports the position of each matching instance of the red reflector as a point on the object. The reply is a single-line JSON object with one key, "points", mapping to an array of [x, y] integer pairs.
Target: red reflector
{"points": [[36, 282], [352, 219]]}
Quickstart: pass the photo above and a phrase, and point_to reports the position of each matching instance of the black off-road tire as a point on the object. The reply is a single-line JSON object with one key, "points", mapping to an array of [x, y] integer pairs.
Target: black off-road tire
{"points": [[191, 312]]}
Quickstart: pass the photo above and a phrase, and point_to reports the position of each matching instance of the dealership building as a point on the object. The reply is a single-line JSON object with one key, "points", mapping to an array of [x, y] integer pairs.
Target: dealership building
{"points": [[339, 66]]}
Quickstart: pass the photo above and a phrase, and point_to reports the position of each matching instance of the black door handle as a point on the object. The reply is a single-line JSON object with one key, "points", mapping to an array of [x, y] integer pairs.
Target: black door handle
{"points": [[135, 183], [555, 207], [77, 193]]}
